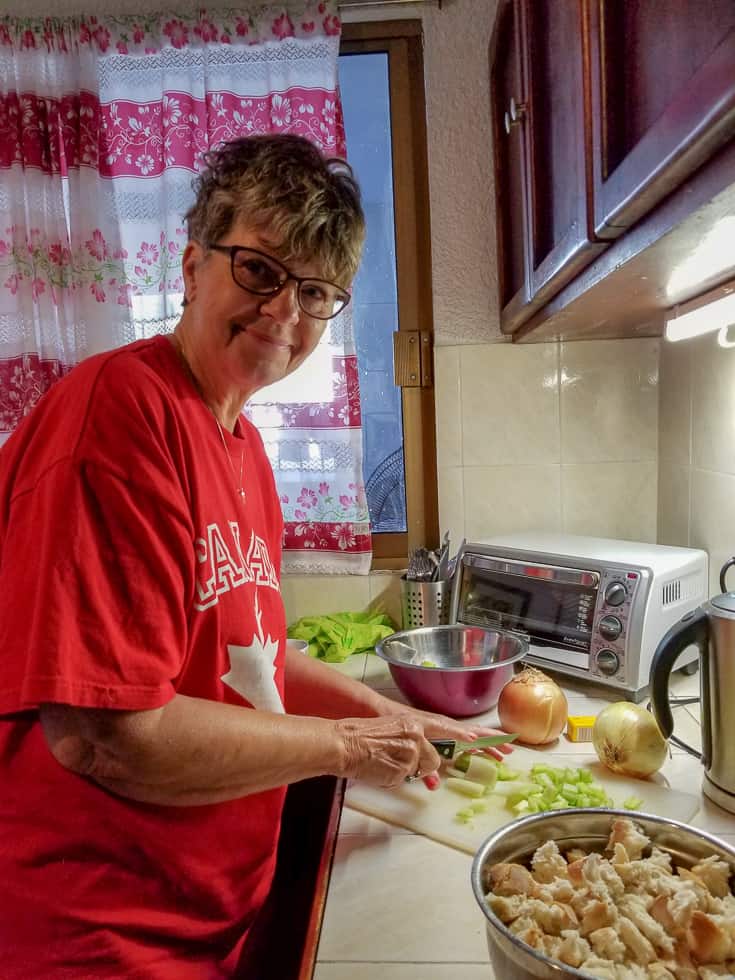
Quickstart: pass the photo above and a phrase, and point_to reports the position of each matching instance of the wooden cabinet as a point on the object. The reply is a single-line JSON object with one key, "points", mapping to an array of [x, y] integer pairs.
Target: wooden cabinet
{"points": [[601, 109], [508, 89], [662, 99], [540, 131]]}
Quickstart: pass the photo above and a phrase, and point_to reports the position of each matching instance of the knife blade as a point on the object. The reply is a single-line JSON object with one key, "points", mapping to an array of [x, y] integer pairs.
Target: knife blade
{"points": [[446, 747]]}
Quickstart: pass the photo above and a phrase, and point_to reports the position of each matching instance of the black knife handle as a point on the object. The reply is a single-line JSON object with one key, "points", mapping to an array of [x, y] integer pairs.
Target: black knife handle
{"points": [[444, 746]]}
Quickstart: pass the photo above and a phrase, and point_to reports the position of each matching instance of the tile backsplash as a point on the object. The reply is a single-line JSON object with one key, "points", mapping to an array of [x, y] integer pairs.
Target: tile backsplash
{"points": [[560, 436], [696, 490]]}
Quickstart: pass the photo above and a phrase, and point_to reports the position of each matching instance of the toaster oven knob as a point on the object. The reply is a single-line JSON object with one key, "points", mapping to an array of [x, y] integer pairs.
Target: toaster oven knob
{"points": [[608, 662], [615, 594], [610, 627]]}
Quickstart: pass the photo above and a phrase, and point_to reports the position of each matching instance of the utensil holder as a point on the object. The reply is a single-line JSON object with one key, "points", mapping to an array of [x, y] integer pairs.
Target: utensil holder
{"points": [[424, 603]]}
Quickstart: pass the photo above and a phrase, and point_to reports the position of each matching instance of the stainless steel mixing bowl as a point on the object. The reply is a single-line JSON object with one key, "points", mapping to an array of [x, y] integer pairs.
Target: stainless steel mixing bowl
{"points": [[455, 670], [585, 828]]}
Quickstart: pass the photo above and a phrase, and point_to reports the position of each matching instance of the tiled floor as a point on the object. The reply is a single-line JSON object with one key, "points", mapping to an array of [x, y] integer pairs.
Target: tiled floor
{"points": [[400, 906]]}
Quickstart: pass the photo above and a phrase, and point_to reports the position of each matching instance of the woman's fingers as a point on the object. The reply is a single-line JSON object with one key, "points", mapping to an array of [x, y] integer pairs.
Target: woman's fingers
{"points": [[432, 781], [440, 726]]}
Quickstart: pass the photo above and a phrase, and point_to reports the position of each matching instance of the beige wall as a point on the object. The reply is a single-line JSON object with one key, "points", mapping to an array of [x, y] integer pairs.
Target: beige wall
{"points": [[696, 496]]}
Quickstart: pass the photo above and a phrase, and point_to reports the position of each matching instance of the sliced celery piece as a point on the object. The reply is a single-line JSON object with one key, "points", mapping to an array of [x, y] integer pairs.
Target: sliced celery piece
{"points": [[465, 787], [632, 803], [482, 770]]}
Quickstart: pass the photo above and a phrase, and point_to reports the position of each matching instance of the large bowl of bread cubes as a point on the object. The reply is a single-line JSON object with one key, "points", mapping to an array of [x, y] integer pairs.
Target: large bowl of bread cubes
{"points": [[606, 893]]}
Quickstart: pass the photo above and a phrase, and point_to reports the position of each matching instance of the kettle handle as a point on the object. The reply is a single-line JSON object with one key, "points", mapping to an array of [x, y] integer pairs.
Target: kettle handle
{"points": [[692, 628], [723, 573]]}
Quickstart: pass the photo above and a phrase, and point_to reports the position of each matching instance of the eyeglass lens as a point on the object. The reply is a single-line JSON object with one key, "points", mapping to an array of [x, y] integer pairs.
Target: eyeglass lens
{"points": [[256, 273]]}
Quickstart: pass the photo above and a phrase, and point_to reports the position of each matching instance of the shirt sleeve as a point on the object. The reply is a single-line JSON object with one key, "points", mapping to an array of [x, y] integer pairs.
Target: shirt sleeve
{"points": [[97, 576]]}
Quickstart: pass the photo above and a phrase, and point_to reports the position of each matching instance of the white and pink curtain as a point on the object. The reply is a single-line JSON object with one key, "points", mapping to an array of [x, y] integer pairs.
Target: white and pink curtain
{"points": [[103, 122]]}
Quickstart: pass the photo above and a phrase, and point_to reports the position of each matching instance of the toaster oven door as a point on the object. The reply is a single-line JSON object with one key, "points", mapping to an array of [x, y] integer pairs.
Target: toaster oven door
{"points": [[553, 606]]}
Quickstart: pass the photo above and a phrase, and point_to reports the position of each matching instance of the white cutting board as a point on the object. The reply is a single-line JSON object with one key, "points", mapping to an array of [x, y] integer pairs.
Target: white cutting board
{"points": [[433, 813]]}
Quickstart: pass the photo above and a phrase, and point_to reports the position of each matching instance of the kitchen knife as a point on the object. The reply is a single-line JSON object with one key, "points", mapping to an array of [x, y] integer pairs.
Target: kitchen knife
{"points": [[446, 747]]}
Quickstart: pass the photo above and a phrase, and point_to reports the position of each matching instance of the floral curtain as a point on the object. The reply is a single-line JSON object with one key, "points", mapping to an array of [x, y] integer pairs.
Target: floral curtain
{"points": [[103, 122]]}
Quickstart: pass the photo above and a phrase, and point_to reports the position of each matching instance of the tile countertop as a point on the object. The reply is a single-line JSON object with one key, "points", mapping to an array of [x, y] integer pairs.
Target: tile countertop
{"points": [[400, 906]]}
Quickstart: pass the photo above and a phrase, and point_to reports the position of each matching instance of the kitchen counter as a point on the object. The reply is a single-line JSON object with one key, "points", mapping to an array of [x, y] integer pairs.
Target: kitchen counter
{"points": [[400, 907]]}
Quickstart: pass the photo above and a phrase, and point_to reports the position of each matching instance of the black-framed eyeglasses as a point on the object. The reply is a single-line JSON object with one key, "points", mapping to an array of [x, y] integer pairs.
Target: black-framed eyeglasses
{"points": [[261, 274]]}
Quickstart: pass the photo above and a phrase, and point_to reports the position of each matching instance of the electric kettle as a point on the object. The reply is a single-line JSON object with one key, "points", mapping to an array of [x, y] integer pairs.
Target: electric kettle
{"points": [[711, 628]]}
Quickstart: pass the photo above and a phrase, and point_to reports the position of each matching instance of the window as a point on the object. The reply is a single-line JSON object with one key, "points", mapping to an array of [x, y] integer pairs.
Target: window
{"points": [[386, 143]]}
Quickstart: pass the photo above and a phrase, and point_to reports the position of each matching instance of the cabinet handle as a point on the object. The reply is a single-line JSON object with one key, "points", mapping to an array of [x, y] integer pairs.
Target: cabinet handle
{"points": [[515, 114]]}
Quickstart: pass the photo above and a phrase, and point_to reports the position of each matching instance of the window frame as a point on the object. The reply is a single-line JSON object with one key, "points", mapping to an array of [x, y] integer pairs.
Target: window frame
{"points": [[402, 42]]}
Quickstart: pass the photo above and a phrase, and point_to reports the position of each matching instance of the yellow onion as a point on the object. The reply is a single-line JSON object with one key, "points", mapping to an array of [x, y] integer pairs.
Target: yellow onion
{"points": [[534, 706], [628, 740]]}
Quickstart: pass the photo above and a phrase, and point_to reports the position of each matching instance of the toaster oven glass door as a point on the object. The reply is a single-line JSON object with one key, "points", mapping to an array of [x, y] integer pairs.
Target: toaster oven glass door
{"points": [[553, 606]]}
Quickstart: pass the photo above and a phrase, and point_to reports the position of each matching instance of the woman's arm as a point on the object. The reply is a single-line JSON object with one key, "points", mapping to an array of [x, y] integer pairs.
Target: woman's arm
{"points": [[193, 751], [315, 688]]}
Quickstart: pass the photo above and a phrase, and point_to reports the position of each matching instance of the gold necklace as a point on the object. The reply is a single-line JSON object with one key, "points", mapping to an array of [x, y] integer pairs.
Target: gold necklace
{"points": [[240, 489], [187, 367]]}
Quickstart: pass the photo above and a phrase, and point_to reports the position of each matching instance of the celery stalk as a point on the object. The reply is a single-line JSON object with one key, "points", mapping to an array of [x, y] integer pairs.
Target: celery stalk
{"points": [[466, 787]]}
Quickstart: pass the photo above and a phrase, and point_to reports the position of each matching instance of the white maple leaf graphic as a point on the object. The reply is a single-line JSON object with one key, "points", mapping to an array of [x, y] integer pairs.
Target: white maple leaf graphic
{"points": [[252, 670], [252, 674]]}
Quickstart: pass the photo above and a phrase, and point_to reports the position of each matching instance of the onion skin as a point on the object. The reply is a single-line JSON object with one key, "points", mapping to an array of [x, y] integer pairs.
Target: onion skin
{"points": [[534, 706], [627, 740]]}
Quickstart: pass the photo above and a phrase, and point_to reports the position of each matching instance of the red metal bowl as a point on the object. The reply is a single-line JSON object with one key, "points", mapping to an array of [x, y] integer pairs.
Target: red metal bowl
{"points": [[453, 670]]}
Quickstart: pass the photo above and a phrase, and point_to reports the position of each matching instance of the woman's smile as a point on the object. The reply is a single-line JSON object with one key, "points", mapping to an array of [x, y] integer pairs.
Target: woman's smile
{"points": [[266, 337]]}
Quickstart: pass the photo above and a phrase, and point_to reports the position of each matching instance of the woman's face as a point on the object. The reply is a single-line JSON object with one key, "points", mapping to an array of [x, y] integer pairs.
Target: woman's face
{"points": [[241, 340]]}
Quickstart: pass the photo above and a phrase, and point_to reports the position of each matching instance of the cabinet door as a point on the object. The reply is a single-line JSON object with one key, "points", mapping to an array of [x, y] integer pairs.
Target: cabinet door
{"points": [[506, 88], [559, 195], [663, 99]]}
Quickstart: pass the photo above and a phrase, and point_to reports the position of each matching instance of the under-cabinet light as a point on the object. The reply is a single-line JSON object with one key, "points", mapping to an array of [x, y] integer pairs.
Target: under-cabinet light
{"points": [[709, 317]]}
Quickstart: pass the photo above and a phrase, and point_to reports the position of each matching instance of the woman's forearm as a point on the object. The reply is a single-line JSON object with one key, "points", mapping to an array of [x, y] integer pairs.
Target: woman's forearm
{"points": [[192, 751], [316, 688]]}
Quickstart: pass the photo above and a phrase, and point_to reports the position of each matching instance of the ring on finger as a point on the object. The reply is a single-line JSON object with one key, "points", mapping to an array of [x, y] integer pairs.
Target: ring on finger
{"points": [[416, 775]]}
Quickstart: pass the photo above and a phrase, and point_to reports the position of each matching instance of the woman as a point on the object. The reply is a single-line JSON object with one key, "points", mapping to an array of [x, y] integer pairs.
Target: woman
{"points": [[151, 714]]}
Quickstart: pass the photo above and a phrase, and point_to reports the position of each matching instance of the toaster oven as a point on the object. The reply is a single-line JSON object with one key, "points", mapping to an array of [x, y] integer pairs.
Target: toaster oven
{"points": [[590, 608]]}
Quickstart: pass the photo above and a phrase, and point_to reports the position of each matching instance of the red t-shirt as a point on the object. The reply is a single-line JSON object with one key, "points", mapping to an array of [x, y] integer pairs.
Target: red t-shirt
{"points": [[131, 570]]}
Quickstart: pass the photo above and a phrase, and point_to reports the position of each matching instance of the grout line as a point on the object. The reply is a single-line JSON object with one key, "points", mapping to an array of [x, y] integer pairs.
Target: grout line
{"points": [[459, 407]]}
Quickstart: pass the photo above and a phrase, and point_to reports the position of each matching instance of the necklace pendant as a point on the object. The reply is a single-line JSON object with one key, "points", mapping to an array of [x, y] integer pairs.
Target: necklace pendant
{"points": [[242, 493]]}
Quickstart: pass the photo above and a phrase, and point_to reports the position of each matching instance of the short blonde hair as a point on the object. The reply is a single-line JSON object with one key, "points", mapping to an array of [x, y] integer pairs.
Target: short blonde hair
{"points": [[281, 186]]}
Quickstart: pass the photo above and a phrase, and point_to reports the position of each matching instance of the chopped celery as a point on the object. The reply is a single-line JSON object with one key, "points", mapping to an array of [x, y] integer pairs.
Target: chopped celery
{"points": [[466, 787], [553, 789], [464, 816], [427, 663], [482, 770], [543, 788], [515, 789], [506, 773], [478, 806]]}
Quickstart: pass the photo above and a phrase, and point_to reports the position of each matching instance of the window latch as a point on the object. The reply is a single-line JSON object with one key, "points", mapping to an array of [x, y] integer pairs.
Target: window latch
{"points": [[412, 358]]}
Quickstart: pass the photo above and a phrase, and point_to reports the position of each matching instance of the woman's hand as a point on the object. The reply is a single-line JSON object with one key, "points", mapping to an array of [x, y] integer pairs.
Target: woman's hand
{"points": [[441, 726], [385, 751]]}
